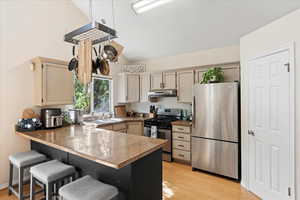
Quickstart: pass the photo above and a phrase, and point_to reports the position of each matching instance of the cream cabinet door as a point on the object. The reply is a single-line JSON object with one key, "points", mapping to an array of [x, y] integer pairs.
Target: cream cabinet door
{"points": [[133, 88], [144, 87], [199, 75], [128, 88], [185, 82], [156, 81], [57, 85], [231, 74], [135, 128], [169, 80]]}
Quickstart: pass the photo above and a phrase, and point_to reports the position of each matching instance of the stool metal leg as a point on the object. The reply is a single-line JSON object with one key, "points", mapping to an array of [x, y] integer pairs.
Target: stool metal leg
{"points": [[32, 187], [49, 190], [21, 174], [11, 174]]}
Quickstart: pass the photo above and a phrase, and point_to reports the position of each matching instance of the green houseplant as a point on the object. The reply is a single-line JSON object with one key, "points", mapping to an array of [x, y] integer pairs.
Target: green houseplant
{"points": [[82, 97], [213, 75]]}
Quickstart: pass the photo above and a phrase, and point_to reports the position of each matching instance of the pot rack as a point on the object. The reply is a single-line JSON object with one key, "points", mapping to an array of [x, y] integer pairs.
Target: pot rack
{"points": [[95, 31]]}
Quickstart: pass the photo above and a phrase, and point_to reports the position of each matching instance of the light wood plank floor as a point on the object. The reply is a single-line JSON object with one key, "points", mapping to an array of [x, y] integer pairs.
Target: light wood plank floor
{"points": [[181, 183]]}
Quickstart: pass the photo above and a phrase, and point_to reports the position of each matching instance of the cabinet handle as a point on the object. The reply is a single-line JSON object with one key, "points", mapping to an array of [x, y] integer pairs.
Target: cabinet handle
{"points": [[180, 129], [181, 145], [181, 137], [181, 155]]}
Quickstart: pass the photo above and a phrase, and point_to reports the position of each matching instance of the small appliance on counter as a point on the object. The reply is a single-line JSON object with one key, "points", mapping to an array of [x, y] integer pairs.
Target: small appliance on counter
{"points": [[75, 116], [51, 117]]}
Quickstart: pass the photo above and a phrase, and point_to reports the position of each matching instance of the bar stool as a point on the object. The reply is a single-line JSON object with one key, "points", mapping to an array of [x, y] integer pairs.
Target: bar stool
{"points": [[50, 173], [22, 161], [88, 188]]}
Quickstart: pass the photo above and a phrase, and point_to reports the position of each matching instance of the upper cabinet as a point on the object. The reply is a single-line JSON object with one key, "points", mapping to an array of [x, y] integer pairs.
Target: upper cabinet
{"points": [[53, 82], [231, 72], [163, 80], [128, 88], [156, 81], [144, 87], [169, 80], [185, 82]]}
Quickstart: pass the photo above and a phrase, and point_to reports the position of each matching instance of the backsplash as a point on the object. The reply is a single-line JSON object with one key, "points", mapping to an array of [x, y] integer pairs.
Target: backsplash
{"points": [[165, 102]]}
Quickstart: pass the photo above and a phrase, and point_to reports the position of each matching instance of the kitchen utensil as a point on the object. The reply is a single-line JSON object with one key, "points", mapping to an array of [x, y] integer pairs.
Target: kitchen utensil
{"points": [[110, 53], [104, 67], [120, 111], [73, 64], [75, 116], [119, 48], [94, 62], [98, 60]]}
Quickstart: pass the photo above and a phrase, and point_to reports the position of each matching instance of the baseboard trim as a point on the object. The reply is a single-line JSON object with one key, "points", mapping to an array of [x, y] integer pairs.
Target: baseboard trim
{"points": [[3, 186]]}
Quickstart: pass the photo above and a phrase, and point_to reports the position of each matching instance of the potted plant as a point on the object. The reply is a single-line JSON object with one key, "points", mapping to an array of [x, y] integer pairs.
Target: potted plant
{"points": [[213, 75]]}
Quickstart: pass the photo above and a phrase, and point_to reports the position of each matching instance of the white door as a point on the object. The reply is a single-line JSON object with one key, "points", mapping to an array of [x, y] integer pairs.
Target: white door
{"points": [[269, 124]]}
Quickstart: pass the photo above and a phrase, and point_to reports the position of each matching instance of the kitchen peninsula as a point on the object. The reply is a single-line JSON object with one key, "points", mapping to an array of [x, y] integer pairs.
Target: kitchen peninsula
{"points": [[131, 163]]}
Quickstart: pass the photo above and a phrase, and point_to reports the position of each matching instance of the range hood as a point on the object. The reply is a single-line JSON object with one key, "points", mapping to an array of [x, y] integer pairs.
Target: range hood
{"points": [[163, 93]]}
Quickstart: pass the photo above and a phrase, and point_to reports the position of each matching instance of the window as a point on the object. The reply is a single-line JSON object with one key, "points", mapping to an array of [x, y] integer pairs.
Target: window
{"points": [[101, 95]]}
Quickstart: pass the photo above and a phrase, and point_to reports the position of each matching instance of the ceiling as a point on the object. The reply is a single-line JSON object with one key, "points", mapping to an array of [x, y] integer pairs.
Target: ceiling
{"points": [[186, 25]]}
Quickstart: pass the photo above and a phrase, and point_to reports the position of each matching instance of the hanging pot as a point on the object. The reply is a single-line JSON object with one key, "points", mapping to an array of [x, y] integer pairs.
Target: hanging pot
{"points": [[110, 53], [104, 67], [73, 64]]}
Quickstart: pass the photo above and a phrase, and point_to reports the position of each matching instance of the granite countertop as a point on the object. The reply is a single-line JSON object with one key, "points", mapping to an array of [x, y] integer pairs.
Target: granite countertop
{"points": [[111, 121], [182, 123], [106, 147]]}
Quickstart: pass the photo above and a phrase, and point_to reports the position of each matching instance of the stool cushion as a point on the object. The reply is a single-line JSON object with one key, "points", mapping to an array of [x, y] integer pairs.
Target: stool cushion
{"points": [[26, 158], [51, 171], [88, 188]]}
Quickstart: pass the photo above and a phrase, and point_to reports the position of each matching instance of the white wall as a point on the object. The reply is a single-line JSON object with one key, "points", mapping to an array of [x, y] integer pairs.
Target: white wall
{"points": [[199, 58], [266, 39], [28, 28]]}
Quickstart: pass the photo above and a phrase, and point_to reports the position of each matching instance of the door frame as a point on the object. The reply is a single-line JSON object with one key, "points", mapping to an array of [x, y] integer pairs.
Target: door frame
{"points": [[291, 48]]}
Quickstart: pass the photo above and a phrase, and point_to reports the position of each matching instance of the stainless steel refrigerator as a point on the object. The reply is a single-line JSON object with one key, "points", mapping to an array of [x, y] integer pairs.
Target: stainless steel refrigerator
{"points": [[215, 133]]}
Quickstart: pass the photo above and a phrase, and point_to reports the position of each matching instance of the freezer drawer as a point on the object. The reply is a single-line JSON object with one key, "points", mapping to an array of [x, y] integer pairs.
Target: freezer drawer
{"points": [[215, 156]]}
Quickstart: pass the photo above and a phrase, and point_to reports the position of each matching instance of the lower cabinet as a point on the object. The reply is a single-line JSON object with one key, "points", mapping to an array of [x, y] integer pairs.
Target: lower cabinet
{"points": [[132, 128], [135, 128], [181, 143]]}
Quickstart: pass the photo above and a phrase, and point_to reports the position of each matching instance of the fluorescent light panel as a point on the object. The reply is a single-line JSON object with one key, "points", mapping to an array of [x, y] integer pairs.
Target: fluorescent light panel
{"points": [[145, 5]]}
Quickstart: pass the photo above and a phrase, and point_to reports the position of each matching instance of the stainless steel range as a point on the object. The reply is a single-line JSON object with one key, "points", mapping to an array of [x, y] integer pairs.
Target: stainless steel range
{"points": [[163, 128]]}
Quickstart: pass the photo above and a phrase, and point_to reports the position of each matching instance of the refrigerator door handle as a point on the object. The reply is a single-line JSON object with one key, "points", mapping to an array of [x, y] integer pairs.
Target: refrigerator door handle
{"points": [[194, 111]]}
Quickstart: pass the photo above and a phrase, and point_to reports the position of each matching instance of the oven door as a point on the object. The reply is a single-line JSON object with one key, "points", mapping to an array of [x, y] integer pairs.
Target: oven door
{"points": [[166, 135]]}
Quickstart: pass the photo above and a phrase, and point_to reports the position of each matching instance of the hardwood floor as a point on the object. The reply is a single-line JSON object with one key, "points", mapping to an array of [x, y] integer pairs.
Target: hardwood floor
{"points": [[181, 183]]}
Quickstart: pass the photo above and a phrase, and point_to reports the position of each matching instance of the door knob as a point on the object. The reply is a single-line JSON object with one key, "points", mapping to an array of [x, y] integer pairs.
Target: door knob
{"points": [[251, 132]]}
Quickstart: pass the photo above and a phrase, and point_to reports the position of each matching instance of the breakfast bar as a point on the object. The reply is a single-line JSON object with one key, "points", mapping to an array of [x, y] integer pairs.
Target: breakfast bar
{"points": [[131, 163]]}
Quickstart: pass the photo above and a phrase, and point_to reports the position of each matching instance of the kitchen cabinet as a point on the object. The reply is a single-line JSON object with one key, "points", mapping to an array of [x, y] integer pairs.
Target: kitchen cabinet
{"points": [[163, 80], [53, 82], [185, 82], [156, 81], [231, 73], [135, 128], [128, 88], [144, 87], [181, 143], [169, 80]]}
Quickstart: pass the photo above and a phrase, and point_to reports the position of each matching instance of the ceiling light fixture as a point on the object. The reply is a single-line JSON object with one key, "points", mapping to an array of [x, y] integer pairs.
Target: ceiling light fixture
{"points": [[145, 5]]}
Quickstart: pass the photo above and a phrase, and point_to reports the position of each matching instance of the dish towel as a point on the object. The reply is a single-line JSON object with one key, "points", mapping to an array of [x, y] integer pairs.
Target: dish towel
{"points": [[153, 131]]}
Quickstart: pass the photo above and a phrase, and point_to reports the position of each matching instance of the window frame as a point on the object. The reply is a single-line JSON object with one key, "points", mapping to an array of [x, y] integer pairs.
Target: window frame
{"points": [[97, 77]]}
